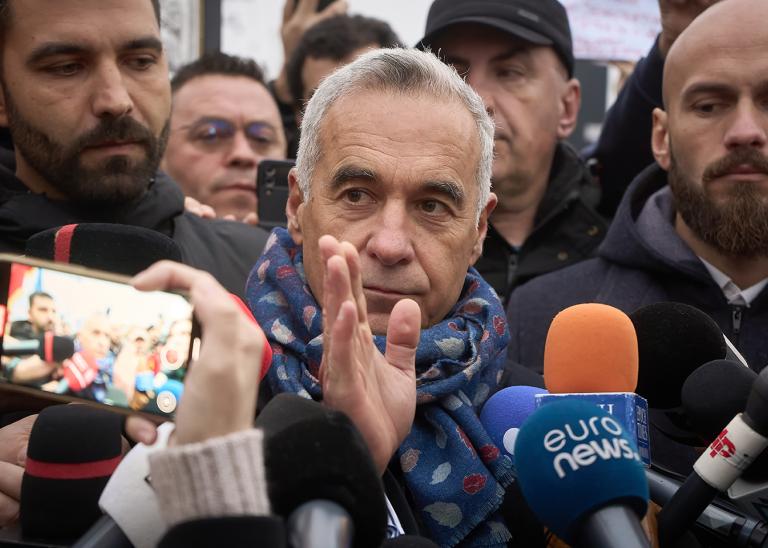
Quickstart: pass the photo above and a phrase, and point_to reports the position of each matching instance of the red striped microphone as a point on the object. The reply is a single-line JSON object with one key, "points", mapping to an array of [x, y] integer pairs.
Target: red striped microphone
{"points": [[72, 452]]}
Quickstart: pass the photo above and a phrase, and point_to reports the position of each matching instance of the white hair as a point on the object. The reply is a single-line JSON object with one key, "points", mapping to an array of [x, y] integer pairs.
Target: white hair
{"points": [[397, 70]]}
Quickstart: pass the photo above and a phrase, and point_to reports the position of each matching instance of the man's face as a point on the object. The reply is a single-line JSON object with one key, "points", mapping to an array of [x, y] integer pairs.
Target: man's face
{"points": [[523, 88], [42, 314], [396, 178], [713, 140], [86, 97], [94, 336], [221, 128]]}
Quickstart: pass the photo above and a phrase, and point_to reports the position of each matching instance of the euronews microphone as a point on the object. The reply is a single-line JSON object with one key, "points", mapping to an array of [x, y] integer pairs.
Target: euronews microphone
{"points": [[320, 475], [582, 476], [604, 374], [720, 465]]}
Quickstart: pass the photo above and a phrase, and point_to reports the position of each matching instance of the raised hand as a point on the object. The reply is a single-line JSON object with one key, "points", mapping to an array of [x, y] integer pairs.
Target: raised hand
{"points": [[676, 15], [378, 392]]}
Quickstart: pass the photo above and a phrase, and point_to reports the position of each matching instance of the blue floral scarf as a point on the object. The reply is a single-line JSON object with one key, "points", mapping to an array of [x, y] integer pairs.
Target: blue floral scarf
{"points": [[455, 473]]}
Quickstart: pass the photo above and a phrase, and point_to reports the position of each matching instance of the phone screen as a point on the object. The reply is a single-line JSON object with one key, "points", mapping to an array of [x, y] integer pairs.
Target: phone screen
{"points": [[77, 337], [272, 188]]}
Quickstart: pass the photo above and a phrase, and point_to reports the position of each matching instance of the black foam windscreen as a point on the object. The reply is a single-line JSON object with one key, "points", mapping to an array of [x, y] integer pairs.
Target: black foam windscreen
{"points": [[715, 393], [122, 249], [72, 451], [673, 340], [312, 452], [48, 346]]}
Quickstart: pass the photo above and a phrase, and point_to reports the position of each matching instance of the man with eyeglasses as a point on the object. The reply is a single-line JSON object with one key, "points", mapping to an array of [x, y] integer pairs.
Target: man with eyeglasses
{"points": [[224, 122]]}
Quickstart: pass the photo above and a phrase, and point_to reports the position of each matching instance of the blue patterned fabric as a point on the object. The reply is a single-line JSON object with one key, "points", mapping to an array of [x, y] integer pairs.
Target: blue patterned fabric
{"points": [[455, 473]]}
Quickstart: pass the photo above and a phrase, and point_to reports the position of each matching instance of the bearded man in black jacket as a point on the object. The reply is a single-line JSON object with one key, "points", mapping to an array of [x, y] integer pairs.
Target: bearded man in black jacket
{"points": [[88, 115]]}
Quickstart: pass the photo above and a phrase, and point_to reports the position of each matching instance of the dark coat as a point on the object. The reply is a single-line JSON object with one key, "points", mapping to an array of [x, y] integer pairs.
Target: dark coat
{"points": [[567, 229], [226, 249]]}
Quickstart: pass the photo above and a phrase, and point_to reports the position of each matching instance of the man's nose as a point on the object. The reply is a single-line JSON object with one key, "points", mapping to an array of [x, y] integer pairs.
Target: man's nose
{"points": [[390, 241], [241, 152], [478, 82], [111, 96], [747, 128]]}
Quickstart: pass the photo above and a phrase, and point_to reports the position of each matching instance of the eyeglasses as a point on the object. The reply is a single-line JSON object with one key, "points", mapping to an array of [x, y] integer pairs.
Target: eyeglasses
{"points": [[216, 132]]}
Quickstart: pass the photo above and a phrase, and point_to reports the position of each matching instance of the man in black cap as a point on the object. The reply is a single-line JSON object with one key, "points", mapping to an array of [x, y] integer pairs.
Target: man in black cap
{"points": [[518, 55]]}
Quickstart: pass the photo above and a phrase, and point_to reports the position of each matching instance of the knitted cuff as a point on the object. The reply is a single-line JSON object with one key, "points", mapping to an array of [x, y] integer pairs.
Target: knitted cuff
{"points": [[219, 477]]}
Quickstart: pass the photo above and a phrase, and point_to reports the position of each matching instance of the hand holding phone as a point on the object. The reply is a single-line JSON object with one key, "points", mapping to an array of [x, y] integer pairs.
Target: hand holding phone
{"points": [[222, 387]]}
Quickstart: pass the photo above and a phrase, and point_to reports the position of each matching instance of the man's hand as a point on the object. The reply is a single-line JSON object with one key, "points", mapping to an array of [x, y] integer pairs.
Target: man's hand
{"points": [[378, 392], [13, 454], [296, 20], [221, 387], [676, 15], [200, 209]]}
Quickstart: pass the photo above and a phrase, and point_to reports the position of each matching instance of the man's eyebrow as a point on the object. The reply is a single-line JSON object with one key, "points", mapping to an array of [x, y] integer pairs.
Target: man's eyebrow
{"points": [[702, 88], [503, 56], [50, 49], [449, 189], [351, 173]]}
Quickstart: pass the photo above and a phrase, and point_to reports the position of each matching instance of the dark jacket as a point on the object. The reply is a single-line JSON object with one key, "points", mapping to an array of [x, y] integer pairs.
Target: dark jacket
{"points": [[641, 261], [226, 249], [624, 147], [567, 229]]}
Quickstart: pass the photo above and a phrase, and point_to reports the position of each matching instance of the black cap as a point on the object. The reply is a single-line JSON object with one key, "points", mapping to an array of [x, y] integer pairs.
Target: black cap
{"points": [[540, 22]]}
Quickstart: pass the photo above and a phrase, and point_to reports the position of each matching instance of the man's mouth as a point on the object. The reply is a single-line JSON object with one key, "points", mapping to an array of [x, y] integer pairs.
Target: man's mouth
{"points": [[113, 145], [240, 186]]}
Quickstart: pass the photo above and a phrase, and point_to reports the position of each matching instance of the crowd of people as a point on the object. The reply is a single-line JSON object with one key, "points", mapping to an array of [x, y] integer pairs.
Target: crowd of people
{"points": [[437, 219]]}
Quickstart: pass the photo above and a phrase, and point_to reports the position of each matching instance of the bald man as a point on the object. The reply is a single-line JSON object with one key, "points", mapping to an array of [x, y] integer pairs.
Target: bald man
{"points": [[692, 228]]}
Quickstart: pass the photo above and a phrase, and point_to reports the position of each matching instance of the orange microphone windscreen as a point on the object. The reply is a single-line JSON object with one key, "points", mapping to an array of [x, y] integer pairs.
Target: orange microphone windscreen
{"points": [[591, 348]]}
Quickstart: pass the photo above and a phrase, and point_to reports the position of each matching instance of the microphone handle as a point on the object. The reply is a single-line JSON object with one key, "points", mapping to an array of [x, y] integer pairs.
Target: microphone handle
{"points": [[686, 505], [610, 526], [104, 532], [320, 524]]}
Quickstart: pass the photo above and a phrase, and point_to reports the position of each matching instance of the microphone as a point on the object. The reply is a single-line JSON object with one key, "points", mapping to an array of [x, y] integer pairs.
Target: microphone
{"points": [[603, 374], [506, 411], [123, 249], [582, 476], [319, 468], [718, 467], [673, 339], [729, 527], [50, 347], [73, 449], [713, 394], [132, 514]]}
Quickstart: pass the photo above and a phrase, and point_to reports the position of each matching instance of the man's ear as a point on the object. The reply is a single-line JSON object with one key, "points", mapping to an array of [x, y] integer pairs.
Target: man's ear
{"points": [[660, 138], [570, 103], [294, 207], [482, 228]]}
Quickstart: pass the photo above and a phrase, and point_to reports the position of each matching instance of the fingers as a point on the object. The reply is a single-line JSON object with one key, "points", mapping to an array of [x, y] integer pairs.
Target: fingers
{"points": [[141, 430], [403, 330], [305, 8], [251, 219], [13, 440], [356, 279], [340, 368], [10, 479]]}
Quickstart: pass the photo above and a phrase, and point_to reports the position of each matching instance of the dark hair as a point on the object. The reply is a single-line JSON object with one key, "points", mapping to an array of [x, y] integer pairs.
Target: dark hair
{"points": [[6, 14], [36, 294], [217, 63], [335, 39]]}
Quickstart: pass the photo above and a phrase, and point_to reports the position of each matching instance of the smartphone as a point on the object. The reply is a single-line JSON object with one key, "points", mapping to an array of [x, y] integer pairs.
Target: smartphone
{"points": [[321, 5], [272, 191], [68, 333]]}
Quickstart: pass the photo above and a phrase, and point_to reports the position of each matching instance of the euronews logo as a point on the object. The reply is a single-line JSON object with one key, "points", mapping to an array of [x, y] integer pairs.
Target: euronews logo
{"points": [[608, 442]]}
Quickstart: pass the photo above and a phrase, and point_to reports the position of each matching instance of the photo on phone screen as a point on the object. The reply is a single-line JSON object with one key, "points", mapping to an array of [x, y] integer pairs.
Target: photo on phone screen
{"points": [[272, 192], [77, 337]]}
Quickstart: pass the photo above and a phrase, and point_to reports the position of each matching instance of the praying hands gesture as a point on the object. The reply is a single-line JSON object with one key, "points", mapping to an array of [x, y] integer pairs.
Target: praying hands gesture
{"points": [[378, 392]]}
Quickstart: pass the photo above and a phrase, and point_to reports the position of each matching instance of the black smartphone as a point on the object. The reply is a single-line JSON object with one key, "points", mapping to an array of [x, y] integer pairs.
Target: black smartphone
{"points": [[321, 5], [272, 191], [68, 333]]}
